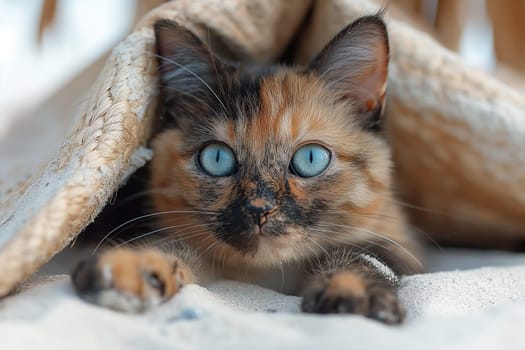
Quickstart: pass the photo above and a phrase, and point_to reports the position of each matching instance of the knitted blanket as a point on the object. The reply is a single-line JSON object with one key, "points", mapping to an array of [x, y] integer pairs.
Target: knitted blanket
{"points": [[457, 134]]}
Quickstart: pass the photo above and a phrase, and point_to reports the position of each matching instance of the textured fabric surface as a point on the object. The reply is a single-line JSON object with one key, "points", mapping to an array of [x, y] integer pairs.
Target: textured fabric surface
{"points": [[471, 309], [457, 134]]}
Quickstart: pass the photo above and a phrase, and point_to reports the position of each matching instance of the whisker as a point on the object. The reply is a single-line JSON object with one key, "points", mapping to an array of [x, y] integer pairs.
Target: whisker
{"points": [[426, 235], [346, 242], [382, 236], [377, 217], [182, 234], [219, 80], [172, 240], [144, 235], [200, 100], [137, 195], [317, 243], [432, 211], [147, 216], [336, 239], [196, 76], [282, 276]]}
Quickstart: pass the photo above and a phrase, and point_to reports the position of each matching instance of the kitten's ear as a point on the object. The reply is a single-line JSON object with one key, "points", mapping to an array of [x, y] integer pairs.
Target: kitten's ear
{"points": [[188, 76], [355, 65]]}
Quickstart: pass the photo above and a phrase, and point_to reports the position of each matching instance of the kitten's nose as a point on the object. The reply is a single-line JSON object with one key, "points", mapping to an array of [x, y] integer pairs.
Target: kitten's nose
{"points": [[259, 209]]}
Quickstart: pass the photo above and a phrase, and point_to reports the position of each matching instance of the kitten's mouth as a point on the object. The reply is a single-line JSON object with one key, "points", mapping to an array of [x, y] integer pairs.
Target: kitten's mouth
{"points": [[249, 239], [261, 230]]}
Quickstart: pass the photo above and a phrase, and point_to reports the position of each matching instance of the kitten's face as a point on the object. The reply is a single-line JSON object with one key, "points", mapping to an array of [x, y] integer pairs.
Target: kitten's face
{"points": [[268, 164]]}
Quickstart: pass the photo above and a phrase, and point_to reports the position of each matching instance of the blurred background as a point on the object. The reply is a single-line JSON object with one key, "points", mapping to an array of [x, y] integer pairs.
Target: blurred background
{"points": [[51, 50], [45, 44], [35, 62]]}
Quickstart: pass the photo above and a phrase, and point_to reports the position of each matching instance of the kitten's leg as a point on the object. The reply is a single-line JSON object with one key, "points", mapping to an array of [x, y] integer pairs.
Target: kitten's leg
{"points": [[130, 280], [350, 281]]}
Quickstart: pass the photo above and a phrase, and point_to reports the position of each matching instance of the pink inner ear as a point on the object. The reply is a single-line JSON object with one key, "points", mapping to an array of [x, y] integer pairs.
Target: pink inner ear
{"points": [[355, 63], [371, 82], [367, 78]]}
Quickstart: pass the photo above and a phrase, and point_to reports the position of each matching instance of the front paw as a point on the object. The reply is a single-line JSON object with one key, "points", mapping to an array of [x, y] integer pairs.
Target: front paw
{"points": [[349, 292], [128, 280]]}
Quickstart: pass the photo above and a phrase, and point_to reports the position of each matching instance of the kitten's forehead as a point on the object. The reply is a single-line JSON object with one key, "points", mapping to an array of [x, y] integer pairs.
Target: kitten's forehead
{"points": [[286, 109]]}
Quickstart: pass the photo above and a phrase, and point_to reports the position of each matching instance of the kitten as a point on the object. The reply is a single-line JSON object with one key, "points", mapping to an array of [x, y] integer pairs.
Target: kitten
{"points": [[263, 166]]}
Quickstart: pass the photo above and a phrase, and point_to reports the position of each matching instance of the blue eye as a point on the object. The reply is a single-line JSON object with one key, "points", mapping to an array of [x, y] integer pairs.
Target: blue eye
{"points": [[217, 160], [310, 160]]}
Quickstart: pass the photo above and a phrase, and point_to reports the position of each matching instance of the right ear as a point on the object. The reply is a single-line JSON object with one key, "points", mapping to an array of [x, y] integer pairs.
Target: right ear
{"points": [[188, 71], [355, 65]]}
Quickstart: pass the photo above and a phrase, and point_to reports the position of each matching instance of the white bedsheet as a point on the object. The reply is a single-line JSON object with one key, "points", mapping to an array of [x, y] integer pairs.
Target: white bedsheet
{"points": [[481, 308]]}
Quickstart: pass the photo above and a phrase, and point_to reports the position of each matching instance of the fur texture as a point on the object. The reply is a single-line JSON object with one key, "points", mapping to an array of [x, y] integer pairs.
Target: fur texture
{"points": [[341, 227]]}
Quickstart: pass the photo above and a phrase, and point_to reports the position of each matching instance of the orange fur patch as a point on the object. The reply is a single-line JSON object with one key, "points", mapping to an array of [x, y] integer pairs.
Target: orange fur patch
{"points": [[129, 267], [346, 283]]}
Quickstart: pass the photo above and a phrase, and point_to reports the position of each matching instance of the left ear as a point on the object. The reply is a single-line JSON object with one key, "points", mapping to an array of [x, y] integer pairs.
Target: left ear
{"points": [[355, 65]]}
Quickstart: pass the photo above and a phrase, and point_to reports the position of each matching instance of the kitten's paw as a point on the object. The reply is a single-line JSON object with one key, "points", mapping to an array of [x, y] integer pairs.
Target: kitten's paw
{"points": [[348, 292], [385, 305], [129, 280]]}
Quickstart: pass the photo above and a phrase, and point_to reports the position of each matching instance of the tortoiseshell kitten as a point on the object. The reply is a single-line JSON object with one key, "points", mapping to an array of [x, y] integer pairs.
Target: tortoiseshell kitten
{"points": [[265, 166]]}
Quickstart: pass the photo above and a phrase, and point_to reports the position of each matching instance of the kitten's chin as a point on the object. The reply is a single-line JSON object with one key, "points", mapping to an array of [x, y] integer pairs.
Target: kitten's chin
{"points": [[266, 250], [247, 241]]}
